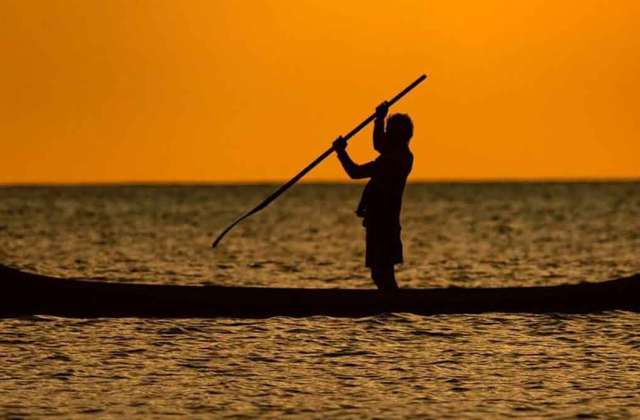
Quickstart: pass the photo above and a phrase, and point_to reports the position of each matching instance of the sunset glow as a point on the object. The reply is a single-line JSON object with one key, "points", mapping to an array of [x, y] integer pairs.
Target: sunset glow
{"points": [[251, 91]]}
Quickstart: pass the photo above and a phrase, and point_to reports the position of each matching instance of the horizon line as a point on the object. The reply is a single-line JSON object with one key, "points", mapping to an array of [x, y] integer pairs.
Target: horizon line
{"points": [[194, 183]]}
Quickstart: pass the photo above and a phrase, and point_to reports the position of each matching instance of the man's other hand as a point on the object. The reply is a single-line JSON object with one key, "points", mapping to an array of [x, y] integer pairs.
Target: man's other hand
{"points": [[382, 110], [339, 144]]}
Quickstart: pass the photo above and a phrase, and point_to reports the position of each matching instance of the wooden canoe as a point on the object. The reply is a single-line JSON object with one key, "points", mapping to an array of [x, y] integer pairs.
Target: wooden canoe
{"points": [[23, 294]]}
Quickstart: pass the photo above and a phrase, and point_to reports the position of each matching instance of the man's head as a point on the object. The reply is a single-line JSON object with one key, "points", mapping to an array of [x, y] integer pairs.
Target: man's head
{"points": [[399, 130]]}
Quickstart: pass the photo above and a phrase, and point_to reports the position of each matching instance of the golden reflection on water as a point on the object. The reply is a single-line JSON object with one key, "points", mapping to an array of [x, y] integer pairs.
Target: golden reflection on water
{"points": [[393, 365], [388, 366]]}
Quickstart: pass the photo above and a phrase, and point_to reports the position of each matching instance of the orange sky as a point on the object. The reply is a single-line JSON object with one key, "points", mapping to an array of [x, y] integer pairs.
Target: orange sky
{"points": [[112, 91]]}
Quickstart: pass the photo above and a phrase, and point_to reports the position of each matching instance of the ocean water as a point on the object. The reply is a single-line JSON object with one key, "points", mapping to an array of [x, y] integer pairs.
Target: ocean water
{"points": [[394, 365]]}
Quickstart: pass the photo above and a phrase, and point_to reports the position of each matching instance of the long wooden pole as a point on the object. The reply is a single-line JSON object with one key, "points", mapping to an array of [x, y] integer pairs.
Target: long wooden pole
{"points": [[313, 164]]}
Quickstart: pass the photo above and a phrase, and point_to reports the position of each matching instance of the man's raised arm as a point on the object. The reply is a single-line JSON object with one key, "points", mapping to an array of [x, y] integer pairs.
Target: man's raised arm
{"points": [[378, 126], [352, 169]]}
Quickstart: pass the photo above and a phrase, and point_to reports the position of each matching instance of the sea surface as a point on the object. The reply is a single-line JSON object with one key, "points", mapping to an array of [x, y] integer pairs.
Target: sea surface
{"points": [[388, 366]]}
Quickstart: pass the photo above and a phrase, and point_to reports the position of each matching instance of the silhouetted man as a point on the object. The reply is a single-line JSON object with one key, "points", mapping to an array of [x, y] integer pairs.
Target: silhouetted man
{"points": [[382, 197]]}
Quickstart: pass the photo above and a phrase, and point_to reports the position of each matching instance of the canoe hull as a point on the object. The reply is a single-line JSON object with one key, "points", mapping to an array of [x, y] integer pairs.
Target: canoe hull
{"points": [[24, 294]]}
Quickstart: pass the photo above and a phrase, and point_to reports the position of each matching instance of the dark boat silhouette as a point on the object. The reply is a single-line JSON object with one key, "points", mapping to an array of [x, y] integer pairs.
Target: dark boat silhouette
{"points": [[23, 294]]}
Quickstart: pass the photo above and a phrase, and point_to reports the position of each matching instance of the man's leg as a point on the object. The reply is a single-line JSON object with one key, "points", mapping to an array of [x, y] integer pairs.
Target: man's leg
{"points": [[384, 277]]}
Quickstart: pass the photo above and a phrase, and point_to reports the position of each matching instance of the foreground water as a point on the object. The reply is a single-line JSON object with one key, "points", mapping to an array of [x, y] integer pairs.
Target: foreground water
{"points": [[385, 366]]}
